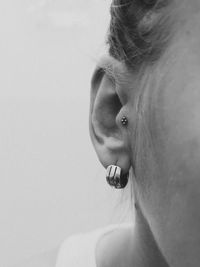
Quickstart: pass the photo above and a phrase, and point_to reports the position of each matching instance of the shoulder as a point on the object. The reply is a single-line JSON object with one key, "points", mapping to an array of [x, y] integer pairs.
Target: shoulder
{"points": [[81, 249], [46, 259], [115, 246]]}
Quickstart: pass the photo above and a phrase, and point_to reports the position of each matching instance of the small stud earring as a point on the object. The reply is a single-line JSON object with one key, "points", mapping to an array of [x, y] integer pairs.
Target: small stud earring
{"points": [[115, 178], [124, 121]]}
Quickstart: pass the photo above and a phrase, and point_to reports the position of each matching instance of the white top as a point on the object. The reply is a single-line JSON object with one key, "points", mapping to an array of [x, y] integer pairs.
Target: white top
{"points": [[80, 250]]}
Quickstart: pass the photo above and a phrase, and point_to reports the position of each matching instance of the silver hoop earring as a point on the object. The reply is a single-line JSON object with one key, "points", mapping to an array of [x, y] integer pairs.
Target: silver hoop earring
{"points": [[115, 178]]}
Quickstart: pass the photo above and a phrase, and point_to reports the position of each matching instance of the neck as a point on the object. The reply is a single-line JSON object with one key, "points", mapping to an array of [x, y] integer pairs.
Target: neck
{"points": [[146, 252]]}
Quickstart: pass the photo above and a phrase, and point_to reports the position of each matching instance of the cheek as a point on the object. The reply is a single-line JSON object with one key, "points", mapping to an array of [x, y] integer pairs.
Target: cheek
{"points": [[169, 157], [175, 194], [181, 125], [179, 134]]}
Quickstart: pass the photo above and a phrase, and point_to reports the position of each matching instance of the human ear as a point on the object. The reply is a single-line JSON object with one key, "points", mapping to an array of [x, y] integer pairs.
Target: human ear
{"points": [[108, 134]]}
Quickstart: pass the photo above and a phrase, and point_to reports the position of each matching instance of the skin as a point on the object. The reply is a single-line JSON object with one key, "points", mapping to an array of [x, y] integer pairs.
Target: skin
{"points": [[161, 144]]}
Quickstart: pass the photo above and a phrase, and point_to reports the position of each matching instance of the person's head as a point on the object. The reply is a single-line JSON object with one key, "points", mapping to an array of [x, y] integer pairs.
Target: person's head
{"points": [[152, 76]]}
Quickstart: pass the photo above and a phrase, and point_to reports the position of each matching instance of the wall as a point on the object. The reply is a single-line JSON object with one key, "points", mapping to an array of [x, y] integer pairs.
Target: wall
{"points": [[51, 184]]}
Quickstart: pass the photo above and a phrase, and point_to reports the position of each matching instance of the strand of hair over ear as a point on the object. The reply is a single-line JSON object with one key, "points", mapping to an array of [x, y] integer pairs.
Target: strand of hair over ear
{"points": [[148, 3], [113, 5], [121, 5]]}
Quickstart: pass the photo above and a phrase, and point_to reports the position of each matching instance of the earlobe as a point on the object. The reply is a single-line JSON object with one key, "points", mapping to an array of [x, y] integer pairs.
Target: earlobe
{"points": [[107, 125]]}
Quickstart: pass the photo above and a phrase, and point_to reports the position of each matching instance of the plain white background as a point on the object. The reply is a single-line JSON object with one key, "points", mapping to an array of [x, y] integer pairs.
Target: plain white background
{"points": [[51, 184]]}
